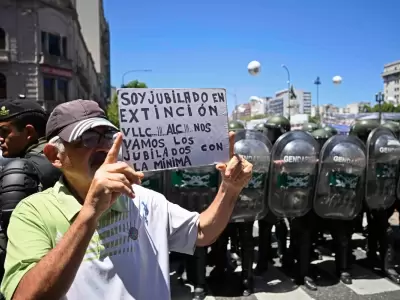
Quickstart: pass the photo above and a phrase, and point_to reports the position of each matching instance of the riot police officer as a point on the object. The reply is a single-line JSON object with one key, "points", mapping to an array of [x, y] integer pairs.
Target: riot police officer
{"points": [[246, 210], [309, 127], [273, 128], [22, 131], [339, 194], [393, 126], [380, 196], [193, 189], [362, 129], [322, 135], [330, 129]]}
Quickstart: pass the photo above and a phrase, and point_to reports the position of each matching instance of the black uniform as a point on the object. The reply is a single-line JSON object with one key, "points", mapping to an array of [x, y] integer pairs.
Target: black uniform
{"points": [[273, 128], [23, 176], [241, 234], [380, 233], [304, 231]]}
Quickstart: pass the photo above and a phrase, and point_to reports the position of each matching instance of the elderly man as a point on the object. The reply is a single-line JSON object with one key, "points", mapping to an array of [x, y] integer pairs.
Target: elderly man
{"points": [[97, 234]]}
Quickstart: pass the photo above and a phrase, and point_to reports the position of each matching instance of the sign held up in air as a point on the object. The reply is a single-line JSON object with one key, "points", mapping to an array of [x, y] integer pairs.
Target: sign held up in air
{"points": [[173, 128]]}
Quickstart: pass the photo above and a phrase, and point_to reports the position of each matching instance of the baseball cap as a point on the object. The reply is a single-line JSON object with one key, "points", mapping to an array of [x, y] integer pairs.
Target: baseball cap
{"points": [[71, 119], [12, 108]]}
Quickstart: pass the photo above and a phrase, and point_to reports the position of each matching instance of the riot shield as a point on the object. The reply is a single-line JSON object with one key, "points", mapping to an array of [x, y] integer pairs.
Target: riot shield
{"points": [[256, 148], [192, 188], [153, 180], [383, 154], [340, 184], [292, 175]]}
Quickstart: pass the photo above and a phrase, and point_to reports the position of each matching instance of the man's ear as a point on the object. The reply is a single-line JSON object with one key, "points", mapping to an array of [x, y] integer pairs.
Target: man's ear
{"points": [[52, 155], [31, 132]]}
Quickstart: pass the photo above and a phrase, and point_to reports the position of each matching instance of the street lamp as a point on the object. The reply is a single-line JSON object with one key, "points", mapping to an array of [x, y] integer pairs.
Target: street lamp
{"points": [[235, 97], [317, 82], [379, 98], [288, 83], [132, 71]]}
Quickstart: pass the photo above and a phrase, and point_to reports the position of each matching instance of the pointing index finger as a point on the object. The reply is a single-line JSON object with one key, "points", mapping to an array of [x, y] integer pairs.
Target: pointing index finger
{"points": [[112, 156]]}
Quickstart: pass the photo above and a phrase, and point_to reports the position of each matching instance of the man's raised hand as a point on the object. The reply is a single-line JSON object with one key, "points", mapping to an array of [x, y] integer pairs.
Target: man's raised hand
{"points": [[238, 171], [111, 180]]}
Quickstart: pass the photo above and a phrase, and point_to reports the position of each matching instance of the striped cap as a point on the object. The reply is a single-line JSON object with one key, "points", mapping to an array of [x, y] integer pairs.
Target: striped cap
{"points": [[71, 119]]}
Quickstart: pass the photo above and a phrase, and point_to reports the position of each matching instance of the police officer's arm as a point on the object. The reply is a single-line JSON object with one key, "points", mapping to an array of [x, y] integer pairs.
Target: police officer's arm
{"points": [[235, 175], [188, 229], [32, 268]]}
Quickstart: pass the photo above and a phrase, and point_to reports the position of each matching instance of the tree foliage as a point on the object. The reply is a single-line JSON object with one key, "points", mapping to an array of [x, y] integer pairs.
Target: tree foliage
{"points": [[112, 109], [386, 107], [255, 117], [315, 119]]}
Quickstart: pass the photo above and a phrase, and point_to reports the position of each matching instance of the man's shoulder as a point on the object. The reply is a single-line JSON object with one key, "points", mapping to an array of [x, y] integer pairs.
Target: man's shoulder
{"points": [[35, 201], [145, 192], [150, 197]]}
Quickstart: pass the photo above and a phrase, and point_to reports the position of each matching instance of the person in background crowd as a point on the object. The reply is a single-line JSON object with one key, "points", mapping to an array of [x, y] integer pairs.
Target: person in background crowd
{"points": [[25, 170], [97, 234]]}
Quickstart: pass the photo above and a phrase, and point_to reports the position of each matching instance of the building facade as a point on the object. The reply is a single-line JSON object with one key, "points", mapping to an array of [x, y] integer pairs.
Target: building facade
{"points": [[357, 107], [391, 82], [241, 111], [259, 105], [43, 54], [96, 32], [280, 103], [324, 109]]}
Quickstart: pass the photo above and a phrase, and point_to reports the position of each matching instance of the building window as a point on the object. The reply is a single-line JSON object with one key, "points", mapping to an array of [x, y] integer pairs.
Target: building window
{"points": [[62, 90], [55, 89], [54, 44], [49, 89], [3, 86], [3, 37]]}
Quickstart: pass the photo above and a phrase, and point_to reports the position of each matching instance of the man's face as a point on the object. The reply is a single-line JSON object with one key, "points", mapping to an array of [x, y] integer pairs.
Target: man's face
{"points": [[83, 157], [12, 141]]}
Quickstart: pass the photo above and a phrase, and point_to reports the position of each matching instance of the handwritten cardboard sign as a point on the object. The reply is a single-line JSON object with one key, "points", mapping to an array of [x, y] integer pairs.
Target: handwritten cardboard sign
{"points": [[173, 128]]}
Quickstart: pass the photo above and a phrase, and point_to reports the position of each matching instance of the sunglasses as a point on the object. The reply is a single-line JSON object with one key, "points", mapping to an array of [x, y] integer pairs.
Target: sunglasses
{"points": [[94, 139]]}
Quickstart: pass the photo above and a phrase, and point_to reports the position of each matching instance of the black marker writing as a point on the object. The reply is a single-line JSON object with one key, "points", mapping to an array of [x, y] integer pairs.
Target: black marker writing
{"points": [[212, 147]]}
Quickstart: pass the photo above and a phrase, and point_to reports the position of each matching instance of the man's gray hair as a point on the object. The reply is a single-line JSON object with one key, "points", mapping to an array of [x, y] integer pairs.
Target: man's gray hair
{"points": [[57, 143]]}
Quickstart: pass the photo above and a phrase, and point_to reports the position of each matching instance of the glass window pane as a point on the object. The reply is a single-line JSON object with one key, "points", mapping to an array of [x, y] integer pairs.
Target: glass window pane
{"points": [[62, 90], [44, 39], [54, 45], [3, 86], [49, 89]]}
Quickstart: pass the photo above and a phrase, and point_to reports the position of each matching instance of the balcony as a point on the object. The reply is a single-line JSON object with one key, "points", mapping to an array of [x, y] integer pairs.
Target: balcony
{"points": [[83, 76], [393, 71], [55, 61], [5, 56]]}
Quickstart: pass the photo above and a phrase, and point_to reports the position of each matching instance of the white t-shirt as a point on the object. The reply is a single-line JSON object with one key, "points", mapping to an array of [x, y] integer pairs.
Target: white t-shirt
{"points": [[142, 271]]}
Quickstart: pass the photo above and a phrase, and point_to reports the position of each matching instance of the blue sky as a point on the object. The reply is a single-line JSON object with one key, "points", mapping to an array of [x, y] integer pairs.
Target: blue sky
{"points": [[209, 44]]}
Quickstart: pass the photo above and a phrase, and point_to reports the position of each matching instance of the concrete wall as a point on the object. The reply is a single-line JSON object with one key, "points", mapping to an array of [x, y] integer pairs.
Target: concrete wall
{"points": [[23, 24], [89, 18], [20, 68]]}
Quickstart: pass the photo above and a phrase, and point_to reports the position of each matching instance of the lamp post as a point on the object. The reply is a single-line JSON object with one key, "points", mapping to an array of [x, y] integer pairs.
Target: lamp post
{"points": [[235, 97], [380, 98], [288, 83], [132, 71], [317, 82]]}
